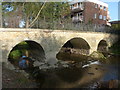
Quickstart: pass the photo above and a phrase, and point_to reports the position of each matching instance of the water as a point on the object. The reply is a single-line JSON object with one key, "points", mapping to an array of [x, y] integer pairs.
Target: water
{"points": [[78, 72]]}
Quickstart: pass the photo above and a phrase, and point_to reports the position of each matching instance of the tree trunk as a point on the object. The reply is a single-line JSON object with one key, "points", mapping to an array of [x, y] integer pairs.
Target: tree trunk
{"points": [[27, 22], [0, 14], [27, 53]]}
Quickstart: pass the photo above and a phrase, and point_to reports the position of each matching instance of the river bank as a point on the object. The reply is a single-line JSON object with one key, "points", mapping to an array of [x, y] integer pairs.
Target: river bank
{"points": [[12, 79]]}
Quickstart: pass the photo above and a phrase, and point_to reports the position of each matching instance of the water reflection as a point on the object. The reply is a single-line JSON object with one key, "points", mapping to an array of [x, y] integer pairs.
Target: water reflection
{"points": [[72, 77], [80, 72]]}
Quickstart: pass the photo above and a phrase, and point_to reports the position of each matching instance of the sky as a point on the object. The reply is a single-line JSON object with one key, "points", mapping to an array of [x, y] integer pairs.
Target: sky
{"points": [[113, 9]]}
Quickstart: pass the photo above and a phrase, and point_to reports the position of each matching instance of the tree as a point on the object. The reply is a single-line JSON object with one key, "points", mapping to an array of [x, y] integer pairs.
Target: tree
{"points": [[11, 15], [54, 12], [35, 12], [0, 14], [25, 10]]}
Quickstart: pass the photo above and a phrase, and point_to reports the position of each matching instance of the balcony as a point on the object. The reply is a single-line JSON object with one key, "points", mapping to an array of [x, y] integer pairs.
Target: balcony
{"points": [[77, 8], [77, 18]]}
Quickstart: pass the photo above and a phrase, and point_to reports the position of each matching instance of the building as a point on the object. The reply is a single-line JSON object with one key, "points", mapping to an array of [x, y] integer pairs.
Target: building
{"points": [[89, 11], [115, 24]]}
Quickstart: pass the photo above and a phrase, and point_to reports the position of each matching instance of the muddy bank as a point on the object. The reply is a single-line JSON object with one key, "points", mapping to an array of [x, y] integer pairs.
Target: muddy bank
{"points": [[12, 79]]}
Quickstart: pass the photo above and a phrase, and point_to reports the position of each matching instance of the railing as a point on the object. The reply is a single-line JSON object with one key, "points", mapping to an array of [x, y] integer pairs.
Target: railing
{"points": [[68, 25], [79, 27], [77, 18], [78, 7]]}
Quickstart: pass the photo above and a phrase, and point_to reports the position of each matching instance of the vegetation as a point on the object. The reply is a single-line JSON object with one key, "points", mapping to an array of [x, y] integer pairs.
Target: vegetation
{"points": [[15, 54], [116, 26], [18, 51], [115, 48], [97, 55], [34, 13]]}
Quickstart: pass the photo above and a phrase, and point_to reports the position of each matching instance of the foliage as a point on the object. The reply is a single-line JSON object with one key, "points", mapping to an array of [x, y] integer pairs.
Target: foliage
{"points": [[15, 54], [31, 11], [116, 26], [55, 10], [21, 46], [23, 43], [115, 48], [19, 50], [7, 7]]}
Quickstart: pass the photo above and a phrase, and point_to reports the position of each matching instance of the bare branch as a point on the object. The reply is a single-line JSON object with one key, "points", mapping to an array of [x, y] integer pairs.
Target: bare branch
{"points": [[31, 24]]}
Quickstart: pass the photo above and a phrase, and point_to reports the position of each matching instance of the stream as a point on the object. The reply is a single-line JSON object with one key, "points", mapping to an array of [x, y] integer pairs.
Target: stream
{"points": [[79, 74]]}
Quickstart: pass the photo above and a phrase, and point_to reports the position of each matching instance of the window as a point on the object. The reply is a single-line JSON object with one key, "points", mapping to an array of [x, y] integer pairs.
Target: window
{"points": [[96, 6], [100, 17], [105, 8], [72, 6], [95, 15], [104, 18], [78, 4], [100, 6], [80, 14]]}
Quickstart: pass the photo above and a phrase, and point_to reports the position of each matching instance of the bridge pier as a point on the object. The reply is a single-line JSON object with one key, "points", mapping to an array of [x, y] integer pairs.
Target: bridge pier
{"points": [[0, 52], [92, 50], [51, 58]]}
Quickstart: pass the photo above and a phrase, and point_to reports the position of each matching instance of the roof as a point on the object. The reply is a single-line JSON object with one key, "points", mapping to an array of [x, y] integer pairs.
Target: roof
{"points": [[114, 22], [94, 1]]}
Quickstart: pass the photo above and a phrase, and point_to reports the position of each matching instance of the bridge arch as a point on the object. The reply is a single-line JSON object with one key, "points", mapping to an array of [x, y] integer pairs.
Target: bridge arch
{"points": [[102, 46], [29, 48], [77, 43]]}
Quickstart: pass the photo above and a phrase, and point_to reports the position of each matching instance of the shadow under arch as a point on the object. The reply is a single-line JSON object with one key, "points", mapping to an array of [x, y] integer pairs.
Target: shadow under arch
{"points": [[76, 46], [77, 43], [28, 48], [102, 46]]}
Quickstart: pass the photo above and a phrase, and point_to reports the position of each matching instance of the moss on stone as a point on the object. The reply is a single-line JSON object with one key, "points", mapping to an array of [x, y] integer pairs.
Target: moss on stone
{"points": [[15, 54], [97, 55]]}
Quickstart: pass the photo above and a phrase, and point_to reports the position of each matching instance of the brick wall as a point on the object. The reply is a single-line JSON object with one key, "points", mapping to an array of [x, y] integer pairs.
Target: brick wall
{"points": [[90, 12]]}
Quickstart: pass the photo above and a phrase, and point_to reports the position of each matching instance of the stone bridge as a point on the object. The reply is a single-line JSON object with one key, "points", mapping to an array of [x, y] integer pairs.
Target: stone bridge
{"points": [[51, 41]]}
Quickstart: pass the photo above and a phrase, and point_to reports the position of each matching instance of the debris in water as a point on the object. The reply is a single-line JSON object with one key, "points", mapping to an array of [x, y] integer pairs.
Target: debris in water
{"points": [[95, 62]]}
